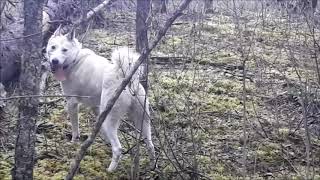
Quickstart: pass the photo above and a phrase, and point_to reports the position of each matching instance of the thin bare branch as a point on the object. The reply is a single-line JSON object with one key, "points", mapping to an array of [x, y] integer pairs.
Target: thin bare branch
{"points": [[39, 96], [94, 11]]}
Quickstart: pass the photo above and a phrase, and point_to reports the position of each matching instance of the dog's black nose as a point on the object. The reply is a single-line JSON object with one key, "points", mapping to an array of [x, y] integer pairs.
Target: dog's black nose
{"points": [[55, 61]]}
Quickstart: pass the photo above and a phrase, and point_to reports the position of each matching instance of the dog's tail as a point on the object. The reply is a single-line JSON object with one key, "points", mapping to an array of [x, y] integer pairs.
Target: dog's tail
{"points": [[124, 58]]}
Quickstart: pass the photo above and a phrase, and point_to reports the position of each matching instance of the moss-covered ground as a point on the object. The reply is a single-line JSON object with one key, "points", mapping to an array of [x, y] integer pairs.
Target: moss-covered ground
{"points": [[205, 118]]}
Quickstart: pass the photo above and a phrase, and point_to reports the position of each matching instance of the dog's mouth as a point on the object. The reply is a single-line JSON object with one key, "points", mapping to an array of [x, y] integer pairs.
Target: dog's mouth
{"points": [[54, 68], [58, 72]]}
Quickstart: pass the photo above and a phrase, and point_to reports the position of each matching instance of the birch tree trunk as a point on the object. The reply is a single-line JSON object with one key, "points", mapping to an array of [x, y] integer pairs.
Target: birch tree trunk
{"points": [[29, 84]]}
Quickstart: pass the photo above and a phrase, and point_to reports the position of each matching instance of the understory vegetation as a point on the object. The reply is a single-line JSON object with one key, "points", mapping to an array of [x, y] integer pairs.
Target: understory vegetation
{"points": [[233, 94]]}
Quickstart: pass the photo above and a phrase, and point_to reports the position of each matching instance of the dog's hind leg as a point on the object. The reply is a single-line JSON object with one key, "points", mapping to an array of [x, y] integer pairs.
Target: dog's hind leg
{"points": [[142, 123], [109, 130], [146, 132], [73, 108]]}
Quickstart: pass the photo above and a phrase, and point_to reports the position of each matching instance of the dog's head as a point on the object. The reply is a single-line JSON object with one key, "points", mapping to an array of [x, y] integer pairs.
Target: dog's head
{"points": [[62, 51]]}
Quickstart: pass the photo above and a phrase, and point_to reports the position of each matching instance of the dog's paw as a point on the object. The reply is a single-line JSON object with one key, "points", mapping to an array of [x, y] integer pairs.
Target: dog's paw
{"points": [[112, 167], [72, 138], [153, 165], [83, 137], [75, 139], [116, 156]]}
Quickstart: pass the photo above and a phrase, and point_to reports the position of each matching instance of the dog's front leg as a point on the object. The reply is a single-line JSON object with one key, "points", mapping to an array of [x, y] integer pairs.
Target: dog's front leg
{"points": [[73, 108]]}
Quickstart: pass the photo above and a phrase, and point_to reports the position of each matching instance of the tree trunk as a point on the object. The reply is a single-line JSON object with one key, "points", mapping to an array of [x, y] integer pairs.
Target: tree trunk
{"points": [[142, 12], [314, 4], [159, 6], [29, 84], [163, 6], [143, 8], [309, 4], [208, 6], [2, 5]]}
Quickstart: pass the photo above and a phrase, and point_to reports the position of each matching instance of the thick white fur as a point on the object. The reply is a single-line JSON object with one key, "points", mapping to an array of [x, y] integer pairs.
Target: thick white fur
{"points": [[89, 74]]}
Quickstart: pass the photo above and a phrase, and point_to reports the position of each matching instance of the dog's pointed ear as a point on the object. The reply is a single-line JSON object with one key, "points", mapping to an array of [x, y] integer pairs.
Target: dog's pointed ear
{"points": [[58, 31], [71, 35]]}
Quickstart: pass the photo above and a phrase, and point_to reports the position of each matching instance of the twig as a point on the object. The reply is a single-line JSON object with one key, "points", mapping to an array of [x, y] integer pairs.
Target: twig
{"points": [[21, 37], [94, 11], [133, 146], [51, 102], [40, 96], [60, 21], [86, 32], [303, 99], [177, 167], [80, 154], [287, 159]]}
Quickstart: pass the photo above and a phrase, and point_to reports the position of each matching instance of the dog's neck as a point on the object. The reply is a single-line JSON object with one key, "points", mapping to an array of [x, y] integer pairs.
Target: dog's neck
{"points": [[75, 61]]}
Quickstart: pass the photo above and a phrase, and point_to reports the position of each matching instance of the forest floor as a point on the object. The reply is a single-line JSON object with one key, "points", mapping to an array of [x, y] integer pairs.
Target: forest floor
{"points": [[197, 91]]}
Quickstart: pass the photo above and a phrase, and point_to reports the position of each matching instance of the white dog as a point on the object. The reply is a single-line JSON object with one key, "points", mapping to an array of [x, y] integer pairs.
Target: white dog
{"points": [[84, 73]]}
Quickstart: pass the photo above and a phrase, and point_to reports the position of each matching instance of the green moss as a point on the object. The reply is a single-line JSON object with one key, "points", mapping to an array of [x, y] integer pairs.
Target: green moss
{"points": [[210, 29], [270, 152], [221, 104], [220, 177], [103, 42], [220, 58], [5, 169], [225, 86], [174, 41], [284, 132], [218, 28], [185, 90]]}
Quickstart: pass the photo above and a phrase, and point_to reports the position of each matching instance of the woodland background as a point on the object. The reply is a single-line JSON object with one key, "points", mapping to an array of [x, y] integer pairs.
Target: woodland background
{"points": [[233, 87]]}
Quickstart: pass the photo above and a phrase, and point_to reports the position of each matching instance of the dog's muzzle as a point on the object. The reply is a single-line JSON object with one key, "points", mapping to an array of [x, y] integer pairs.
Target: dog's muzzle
{"points": [[55, 61], [54, 65]]}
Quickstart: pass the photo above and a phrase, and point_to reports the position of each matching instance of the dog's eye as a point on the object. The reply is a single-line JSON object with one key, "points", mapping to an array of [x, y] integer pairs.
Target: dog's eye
{"points": [[64, 50], [53, 47]]}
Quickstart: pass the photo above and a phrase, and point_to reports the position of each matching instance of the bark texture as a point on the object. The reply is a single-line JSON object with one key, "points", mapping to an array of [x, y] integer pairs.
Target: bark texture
{"points": [[28, 84], [159, 6], [208, 6], [142, 13]]}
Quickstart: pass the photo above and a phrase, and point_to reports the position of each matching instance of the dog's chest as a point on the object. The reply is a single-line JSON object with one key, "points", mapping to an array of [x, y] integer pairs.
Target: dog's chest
{"points": [[88, 93], [85, 79]]}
